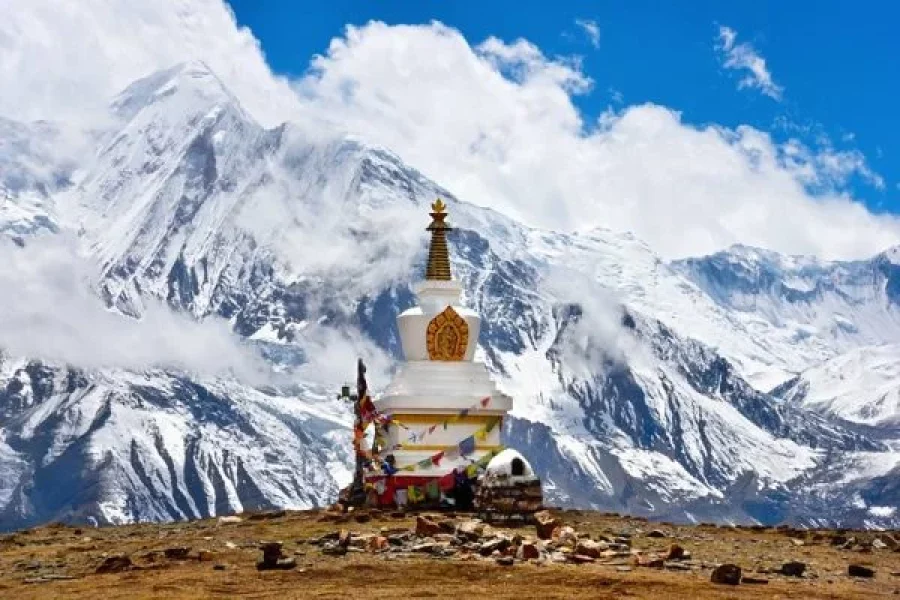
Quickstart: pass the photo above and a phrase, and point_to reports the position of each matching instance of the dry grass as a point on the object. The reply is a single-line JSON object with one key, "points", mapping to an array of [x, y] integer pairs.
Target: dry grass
{"points": [[67, 551]]}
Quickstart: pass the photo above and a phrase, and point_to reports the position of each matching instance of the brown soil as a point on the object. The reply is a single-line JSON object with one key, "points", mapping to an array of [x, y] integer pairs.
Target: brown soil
{"points": [[33, 563]]}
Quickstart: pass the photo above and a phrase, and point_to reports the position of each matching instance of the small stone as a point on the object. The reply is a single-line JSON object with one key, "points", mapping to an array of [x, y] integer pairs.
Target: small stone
{"points": [[204, 555], [727, 574], [281, 564], [565, 535], [115, 564], [219, 567], [528, 551], [343, 538], [580, 559], [878, 544], [860, 571], [333, 549], [798, 542], [506, 561], [544, 524], [493, 545], [231, 545], [651, 562], [471, 530], [754, 580], [177, 553], [656, 533], [229, 519], [675, 552], [793, 569], [624, 569], [377, 543], [362, 517], [590, 548], [426, 527]]}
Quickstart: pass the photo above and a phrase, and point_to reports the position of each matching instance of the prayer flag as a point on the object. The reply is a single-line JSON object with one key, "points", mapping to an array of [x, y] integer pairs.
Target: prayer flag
{"points": [[424, 463], [436, 459], [467, 446]]}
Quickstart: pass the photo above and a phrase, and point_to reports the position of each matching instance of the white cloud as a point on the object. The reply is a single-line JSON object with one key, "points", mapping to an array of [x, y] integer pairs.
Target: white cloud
{"points": [[496, 124], [743, 57], [64, 59], [48, 309], [591, 30]]}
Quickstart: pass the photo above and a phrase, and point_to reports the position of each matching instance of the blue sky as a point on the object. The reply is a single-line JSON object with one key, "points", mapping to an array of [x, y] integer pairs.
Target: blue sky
{"points": [[837, 62]]}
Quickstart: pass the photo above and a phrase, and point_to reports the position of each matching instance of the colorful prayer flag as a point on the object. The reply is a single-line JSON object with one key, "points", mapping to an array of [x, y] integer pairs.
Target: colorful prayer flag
{"points": [[467, 446]]}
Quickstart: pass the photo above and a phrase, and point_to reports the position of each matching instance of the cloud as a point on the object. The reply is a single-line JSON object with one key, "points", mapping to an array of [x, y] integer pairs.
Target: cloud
{"points": [[743, 57], [496, 123], [64, 59], [47, 309], [591, 30]]}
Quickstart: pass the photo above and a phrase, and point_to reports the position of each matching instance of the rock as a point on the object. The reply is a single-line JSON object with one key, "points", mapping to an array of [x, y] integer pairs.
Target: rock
{"points": [[265, 516], [798, 542], [205, 555], [424, 547], [860, 571], [492, 545], [362, 517], [544, 524], [447, 525], [624, 569], [281, 563], [580, 559], [471, 530], [590, 548], [333, 549], [506, 561], [528, 551], [650, 562], [754, 580], [656, 533], [219, 567], [343, 539], [890, 541], [378, 543], [726, 574], [878, 544], [114, 564], [426, 527], [847, 545], [675, 552], [177, 553], [565, 535], [229, 519], [230, 545], [793, 569]]}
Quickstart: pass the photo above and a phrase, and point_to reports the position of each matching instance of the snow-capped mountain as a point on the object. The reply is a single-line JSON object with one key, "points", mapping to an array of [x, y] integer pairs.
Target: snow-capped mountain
{"points": [[639, 385]]}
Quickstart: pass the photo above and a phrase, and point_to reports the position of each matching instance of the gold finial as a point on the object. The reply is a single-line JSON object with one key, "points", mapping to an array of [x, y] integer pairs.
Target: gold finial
{"points": [[438, 255]]}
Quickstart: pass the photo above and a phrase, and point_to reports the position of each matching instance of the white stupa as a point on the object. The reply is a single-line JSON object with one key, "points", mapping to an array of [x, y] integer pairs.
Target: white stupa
{"points": [[439, 377]]}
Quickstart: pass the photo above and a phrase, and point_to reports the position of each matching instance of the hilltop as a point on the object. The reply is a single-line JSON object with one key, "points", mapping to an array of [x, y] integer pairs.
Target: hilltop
{"points": [[391, 555]]}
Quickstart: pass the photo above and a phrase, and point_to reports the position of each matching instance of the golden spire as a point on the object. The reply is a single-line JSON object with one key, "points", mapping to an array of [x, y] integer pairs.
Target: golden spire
{"points": [[438, 255]]}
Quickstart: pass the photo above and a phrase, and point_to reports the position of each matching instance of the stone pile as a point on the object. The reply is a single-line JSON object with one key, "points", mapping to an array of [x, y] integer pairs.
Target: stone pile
{"points": [[471, 539]]}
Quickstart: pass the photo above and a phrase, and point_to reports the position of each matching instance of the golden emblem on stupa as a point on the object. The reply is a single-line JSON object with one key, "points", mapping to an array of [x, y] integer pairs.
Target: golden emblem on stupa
{"points": [[447, 336]]}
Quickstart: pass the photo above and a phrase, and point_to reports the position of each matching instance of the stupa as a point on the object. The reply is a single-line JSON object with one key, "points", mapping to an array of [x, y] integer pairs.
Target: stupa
{"points": [[444, 410]]}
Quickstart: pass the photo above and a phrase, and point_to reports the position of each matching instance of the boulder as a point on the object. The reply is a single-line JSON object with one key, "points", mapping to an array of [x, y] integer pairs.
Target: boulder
{"points": [[860, 571], [565, 535], [114, 564], [793, 569], [727, 574], [544, 524], [656, 533]]}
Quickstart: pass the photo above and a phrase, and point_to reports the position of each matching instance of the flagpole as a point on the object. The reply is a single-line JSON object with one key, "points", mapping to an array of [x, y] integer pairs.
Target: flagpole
{"points": [[356, 494]]}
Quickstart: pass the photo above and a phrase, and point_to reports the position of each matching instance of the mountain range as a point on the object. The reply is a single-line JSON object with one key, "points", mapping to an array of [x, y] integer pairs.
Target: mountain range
{"points": [[744, 386]]}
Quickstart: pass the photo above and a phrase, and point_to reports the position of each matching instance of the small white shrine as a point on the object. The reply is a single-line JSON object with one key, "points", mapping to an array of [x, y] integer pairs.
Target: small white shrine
{"points": [[440, 396]]}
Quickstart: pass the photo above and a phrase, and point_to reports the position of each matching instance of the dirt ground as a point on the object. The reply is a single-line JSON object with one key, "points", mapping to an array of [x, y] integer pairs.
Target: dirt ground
{"points": [[60, 562]]}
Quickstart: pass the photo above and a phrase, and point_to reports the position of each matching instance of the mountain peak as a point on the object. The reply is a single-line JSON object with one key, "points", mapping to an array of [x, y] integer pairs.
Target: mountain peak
{"points": [[189, 82]]}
